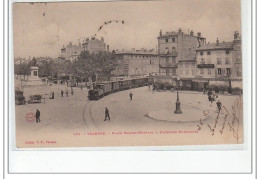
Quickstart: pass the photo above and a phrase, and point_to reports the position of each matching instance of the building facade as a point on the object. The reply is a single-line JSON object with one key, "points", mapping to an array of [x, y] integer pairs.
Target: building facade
{"points": [[71, 52], [137, 63], [220, 60], [94, 45], [187, 68], [175, 47]]}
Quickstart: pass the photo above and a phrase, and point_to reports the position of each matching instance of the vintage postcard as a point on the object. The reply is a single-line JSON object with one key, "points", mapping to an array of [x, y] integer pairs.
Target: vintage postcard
{"points": [[132, 73]]}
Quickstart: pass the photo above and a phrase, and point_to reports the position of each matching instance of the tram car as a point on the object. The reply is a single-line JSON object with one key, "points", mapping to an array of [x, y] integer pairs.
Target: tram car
{"points": [[105, 88]]}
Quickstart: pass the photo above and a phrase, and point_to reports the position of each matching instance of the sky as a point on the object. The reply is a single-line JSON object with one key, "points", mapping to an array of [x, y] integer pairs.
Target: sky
{"points": [[41, 29]]}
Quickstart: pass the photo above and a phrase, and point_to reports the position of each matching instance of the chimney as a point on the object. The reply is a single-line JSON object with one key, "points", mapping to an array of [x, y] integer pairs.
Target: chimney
{"points": [[217, 41], [191, 33], [199, 34], [180, 30], [236, 35], [108, 48], [160, 33], [102, 39]]}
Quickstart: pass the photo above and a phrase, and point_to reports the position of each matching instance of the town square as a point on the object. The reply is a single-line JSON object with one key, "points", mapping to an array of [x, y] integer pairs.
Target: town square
{"points": [[109, 81]]}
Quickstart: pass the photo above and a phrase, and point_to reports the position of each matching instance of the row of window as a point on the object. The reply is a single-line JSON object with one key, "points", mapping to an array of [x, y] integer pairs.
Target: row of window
{"points": [[187, 72], [144, 56], [219, 61], [220, 71], [151, 62], [209, 52], [173, 72], [223, 71], [172, 39]]}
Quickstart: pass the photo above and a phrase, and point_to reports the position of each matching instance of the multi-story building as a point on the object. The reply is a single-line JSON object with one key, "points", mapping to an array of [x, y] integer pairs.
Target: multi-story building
{"points": [[71, 52], [137, 63], [220, 60], [175, 47], [94, 45], [237, 57], [187, 68]]}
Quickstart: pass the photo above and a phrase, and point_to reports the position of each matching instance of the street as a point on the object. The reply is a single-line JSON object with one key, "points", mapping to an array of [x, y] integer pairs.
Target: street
{"points": [[74, 121]]}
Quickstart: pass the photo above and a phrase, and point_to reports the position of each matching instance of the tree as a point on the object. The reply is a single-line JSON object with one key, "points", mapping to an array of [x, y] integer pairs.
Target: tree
{"points": [[21, 69], [102, 63]]}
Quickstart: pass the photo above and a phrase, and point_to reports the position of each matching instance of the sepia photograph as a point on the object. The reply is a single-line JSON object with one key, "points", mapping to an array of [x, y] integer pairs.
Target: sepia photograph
{"points": [[127, 73]]}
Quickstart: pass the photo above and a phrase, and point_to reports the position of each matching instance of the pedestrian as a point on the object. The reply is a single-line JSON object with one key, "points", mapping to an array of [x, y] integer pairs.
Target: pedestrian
{"points": [[149, 86], [211, 99], [209, 95], [72, 91], [37, 115], [204, 91], [219, 105], [53, 95], [61, 92], [81, 87], [131, 95], [214, 96], [107, 114], [67, 93]]}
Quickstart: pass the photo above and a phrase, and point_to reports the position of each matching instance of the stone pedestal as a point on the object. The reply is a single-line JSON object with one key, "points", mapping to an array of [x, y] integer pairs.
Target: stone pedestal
{"points": [[34, 79]]}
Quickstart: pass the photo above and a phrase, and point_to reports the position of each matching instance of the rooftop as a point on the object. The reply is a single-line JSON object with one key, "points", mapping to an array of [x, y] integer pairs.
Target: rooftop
{"points": [[136, 52], [215, 46], [175, 34]]}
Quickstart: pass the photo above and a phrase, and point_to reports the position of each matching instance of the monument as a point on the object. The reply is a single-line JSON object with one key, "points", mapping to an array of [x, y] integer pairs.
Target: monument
{"points": [[34, 79]]}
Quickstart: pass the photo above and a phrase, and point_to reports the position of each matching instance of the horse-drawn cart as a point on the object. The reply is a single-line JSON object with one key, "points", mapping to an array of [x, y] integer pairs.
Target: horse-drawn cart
{"points": [[35, 98]]}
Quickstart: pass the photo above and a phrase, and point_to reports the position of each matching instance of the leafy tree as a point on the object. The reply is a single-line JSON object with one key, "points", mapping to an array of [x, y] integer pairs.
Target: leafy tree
{"points": [[21, 69], [102, 63]]}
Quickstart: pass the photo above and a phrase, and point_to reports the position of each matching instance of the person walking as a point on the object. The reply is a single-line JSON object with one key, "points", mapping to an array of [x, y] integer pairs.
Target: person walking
{"points": [[72, 92], [81, 87], [204, 91], [61, 92], [107, 114], [67, 93], [131, 96], [53, 95], [214, 96], [37, 115], [209, 95], [219, 105]]}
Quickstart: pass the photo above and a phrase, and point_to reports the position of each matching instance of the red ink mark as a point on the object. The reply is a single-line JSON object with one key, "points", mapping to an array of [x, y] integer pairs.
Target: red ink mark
{"points": [[30, 117]]}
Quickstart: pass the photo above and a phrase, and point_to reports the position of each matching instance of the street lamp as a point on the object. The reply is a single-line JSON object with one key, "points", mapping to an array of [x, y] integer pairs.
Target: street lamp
{"points": [[178, 104]]}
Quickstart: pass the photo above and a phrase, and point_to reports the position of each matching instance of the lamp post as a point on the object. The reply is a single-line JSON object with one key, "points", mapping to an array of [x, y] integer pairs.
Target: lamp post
{"points": [[178, 104]]}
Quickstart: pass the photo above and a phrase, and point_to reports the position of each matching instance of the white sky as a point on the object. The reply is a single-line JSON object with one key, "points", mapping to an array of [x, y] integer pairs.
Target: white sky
{"points": [[39, 35]]}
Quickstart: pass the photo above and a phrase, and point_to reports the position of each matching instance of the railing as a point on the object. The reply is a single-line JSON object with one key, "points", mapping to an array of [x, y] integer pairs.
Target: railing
{"points": [[206, 66]]}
